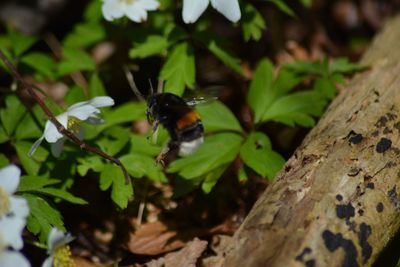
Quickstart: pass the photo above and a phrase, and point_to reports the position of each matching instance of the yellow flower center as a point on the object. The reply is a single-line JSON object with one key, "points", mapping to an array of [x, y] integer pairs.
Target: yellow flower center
{"points": [[73, 124], [4, 202], [62, 257]]}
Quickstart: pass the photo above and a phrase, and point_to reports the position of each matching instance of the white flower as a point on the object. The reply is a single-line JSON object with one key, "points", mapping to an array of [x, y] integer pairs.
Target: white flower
{"points": [[82, 111], [57, 248], [13, 213], [10, 258], [13, 209], [135, 10], [192, 9]]}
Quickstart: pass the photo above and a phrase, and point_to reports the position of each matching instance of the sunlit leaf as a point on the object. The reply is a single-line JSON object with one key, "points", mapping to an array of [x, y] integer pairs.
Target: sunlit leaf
{"points": [[112, 176], [217, 150], [253, 24], [139, 165], [179, 70], [257, 153], [152, 45], [217, 117]]}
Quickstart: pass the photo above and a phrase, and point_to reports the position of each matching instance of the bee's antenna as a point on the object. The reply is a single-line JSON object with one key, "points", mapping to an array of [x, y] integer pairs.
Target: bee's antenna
{"points": [[132, 84], [160, 86], [151, 87]]}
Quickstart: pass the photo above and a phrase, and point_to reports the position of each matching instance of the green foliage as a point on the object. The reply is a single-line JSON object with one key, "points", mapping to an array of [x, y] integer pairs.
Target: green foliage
{"points": [[112, 176], [179, 70], [279, 96], [253, 23]]}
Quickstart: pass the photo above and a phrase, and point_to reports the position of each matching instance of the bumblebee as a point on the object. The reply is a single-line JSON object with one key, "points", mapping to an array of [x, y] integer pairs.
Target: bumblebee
{"points": [[181, 121]]}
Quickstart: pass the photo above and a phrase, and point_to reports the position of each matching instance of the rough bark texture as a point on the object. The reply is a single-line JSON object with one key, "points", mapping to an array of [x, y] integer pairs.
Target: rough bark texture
{"points": [[336, 201]]}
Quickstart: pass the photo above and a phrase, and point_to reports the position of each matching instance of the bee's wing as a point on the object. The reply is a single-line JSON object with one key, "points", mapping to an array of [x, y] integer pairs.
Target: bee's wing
{"points": [[202, 96]]}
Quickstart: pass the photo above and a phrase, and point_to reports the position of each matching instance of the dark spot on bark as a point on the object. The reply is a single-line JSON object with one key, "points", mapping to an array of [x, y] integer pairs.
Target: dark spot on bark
{"points": [[345, 211], [371, 185], [356, 139], [366, 249], [375, 133], [288, 168], [367, 178], [310, 263], [397, 125], [305, 251], [339, 197], [307, 159], [383, 145], [379, 207], [390, 164], [360, 212], [387, 130], [334, 241], [394, 199], [382, 121], [354, 172]]}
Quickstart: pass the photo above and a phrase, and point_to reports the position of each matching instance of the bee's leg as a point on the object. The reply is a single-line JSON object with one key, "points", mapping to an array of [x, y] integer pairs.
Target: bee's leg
{"points": [[163, 154]]}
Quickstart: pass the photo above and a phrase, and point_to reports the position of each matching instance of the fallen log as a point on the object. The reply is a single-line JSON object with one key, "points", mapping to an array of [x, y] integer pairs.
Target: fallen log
{"points": [[336, 201]]}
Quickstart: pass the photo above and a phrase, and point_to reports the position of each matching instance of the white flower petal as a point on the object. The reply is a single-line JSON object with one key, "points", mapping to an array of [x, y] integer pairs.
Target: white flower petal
{"points": [[19, 206], [57, 147], [149, 4], [56, 239], [229, 8], [192, 9], [48, 262], [51, 133], [35, 146], [10, 231], [10, 258], [83, 112], [112, 9], [134, 12], [101, 101], [9, 178]]}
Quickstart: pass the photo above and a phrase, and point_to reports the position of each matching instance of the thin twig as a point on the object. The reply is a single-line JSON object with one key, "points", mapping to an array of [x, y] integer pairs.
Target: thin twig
{"points": [[61, 129]]}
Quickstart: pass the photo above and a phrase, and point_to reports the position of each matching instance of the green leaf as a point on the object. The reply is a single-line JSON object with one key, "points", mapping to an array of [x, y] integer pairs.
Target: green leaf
{"points": [[253, 24], [257, 153], [33, 182], [139, 165], [89, 163], [75, 94], [261, 93], [42, 217], [42, 63], [307, 67], [85, 35], [60, 193], [342, 65], [75, 60], [152, 45], [306, 3], [141, 144], [30, 164], [286, 80], [212, 178], [114, 140], [93, 11], [179, 70], [111, 175], [3, 160], [3, 135], [20, 42], [27, 128], [325, 87], [216, 46], [96, 86], [217, 117], [283, 7], [298, 108], [12, 114], [217, 150]]}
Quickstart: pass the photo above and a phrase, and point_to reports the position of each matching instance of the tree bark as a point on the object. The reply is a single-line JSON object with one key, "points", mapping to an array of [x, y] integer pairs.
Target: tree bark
{"points": [[336, 201]]}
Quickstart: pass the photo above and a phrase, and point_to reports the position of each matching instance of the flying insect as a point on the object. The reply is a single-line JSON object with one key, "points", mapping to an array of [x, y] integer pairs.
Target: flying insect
{"points": [[176, 115]]}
